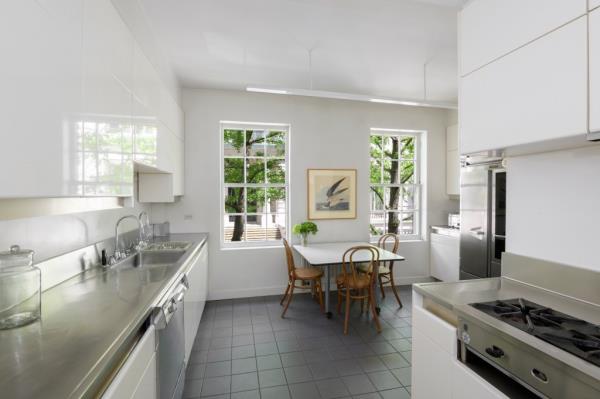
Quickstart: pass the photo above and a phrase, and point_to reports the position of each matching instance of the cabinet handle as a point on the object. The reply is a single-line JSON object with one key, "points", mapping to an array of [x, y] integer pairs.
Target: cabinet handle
{"points": [[494, 351]]}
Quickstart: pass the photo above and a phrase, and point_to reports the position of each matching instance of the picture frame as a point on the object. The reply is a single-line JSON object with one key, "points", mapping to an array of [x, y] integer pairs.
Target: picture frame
{"points": [[331, 194]]}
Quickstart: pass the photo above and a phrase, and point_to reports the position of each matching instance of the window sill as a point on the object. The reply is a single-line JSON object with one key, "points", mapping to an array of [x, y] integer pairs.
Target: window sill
{"points": [[409, 240], [251, 247]]}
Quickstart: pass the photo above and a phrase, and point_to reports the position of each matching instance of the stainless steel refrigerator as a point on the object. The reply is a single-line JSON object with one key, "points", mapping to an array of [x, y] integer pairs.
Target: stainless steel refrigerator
{"points": [[482, 219]]}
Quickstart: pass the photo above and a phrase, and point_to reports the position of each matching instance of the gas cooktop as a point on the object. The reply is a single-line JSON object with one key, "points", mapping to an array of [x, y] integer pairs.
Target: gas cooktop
{"points": [[573, 335]]}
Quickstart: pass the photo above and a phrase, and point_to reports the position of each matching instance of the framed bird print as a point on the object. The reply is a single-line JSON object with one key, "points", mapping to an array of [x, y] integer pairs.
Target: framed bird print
{"points": [[331, 194]]}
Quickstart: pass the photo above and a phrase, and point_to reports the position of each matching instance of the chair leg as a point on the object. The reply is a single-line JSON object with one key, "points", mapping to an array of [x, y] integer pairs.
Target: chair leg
{"points": [[375, 317], [394, 289], [381, 286], [287, 289], [347, 316], [339, 299], [291, 295]]}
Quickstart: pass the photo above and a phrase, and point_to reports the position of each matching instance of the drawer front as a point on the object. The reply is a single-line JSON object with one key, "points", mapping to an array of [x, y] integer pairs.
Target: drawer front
{"points": [[439, 331]]}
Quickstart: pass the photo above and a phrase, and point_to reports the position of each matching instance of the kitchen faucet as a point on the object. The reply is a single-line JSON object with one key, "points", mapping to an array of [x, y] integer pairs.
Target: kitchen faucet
{"points": [[118, 254]]}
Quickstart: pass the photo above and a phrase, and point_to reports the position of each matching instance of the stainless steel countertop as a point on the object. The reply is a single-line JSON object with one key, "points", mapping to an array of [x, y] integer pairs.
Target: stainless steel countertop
{"points": [[456, 296], [86, 322], [446, 230]]}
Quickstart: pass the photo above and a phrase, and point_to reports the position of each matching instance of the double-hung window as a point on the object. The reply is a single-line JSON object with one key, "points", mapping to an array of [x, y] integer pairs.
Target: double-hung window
{"points": [[395, 184], [255, 183]]}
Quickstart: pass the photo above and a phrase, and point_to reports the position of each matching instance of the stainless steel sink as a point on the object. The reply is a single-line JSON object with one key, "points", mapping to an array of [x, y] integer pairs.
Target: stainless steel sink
{"points": [[168, 246], [150, 258]]}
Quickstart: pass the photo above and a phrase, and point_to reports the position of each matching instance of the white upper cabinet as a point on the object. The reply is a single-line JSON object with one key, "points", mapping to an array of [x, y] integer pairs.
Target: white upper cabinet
{"points": [[107, 102], [594, 70], [452, 161], [40, 98], [489, 29], [593, 4], [536, 93]]}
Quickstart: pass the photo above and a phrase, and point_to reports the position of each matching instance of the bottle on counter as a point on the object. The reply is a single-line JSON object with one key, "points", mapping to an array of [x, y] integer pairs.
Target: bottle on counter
{"points": [[20, 288]]}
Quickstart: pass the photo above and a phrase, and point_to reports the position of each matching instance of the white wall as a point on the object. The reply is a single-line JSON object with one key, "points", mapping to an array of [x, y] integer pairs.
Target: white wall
{"points": [[324, 134], [55, 235], [553, 206]]}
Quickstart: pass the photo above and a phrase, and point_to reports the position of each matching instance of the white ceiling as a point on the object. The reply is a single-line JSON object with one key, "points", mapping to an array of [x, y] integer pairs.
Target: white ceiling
{"points": [[370, 47]]}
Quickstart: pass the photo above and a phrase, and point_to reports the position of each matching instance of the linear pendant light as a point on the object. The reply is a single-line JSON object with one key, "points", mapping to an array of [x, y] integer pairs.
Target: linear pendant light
{"points": [[351, 97]]}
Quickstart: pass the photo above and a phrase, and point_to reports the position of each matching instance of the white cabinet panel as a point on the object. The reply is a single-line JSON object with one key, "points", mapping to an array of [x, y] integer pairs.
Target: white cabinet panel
{"points": [[135, 376], [107, 102], [444, 257], [492, 28], [452, 161], [537, 93], [594, 21], [146, 83], [431, 366], [40, 98], [467, 384], [593, 4], [195, 298]]}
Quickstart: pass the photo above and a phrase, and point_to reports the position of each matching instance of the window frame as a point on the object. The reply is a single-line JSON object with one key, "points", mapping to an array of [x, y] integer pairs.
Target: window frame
{"points": [[235, 125], [417, 211]]}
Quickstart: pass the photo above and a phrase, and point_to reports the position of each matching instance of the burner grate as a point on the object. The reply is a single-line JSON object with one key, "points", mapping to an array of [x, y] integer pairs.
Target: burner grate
{"points": [[571, 334]]}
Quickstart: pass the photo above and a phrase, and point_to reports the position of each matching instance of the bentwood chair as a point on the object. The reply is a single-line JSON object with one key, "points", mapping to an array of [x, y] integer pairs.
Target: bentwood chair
{"points": [[311, 274], [386, 269], [351, 284]]}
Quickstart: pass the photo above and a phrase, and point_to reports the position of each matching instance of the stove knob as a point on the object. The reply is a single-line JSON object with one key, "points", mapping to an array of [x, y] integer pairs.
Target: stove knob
{"points": [[494, 351], [466, 338]]}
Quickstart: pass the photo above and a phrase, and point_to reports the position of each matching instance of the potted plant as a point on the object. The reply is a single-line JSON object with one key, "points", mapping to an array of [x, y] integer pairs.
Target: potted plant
{"points": [[304, 229]]}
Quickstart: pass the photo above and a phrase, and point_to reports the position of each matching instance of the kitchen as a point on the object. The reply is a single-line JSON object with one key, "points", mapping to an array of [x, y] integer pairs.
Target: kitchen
{"points": [[192, 205]]}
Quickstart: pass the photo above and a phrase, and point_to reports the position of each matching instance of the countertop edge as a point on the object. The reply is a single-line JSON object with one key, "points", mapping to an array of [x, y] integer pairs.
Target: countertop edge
{"points": [[91, 378]]}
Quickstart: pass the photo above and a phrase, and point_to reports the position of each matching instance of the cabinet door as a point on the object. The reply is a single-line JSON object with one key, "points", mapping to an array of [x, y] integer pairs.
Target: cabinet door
{"points": [[146, 389], [195, 298], [40, 98], [467, 384], [137, 373], [536, 93], [452, 172], [107, 102], [444, 257], [594, 36], [430, 368], [489, 29]]}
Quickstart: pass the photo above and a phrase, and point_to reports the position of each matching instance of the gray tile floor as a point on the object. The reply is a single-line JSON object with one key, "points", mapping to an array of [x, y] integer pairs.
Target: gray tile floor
{"points": [[244, 349]]}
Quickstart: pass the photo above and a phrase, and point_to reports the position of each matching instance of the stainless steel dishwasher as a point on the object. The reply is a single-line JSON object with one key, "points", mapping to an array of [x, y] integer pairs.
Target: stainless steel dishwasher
{"points": [[168, 321]]}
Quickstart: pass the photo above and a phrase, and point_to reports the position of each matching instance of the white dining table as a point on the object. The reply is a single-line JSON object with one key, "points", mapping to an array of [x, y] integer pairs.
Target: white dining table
{"points": [[330, 254]]}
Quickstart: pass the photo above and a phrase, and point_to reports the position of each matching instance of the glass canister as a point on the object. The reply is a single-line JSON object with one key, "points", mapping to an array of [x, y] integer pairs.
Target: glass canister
{"points": [[20, 288]]}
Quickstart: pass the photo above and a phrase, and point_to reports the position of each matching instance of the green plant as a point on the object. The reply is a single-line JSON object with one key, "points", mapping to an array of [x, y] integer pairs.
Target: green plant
{"points": [[305, 228]]}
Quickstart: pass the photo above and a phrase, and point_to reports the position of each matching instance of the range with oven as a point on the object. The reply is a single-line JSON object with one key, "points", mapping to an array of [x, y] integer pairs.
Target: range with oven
{"points": [[533, 332]]}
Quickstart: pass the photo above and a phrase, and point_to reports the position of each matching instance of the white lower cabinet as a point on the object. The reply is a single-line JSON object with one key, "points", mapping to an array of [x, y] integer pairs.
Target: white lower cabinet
{"points": [[444, 257], [137, 378], [468, 385], [431, 365], [195, 298], [436, 371]]}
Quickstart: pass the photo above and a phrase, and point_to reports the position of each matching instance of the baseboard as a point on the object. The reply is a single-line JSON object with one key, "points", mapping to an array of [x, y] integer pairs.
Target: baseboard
{"points": [[215, 295]]}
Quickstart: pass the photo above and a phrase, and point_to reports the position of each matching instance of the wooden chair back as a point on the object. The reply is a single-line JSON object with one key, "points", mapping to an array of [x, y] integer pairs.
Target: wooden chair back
{"points": [[383, 242], [350, 267], [291, 266]]}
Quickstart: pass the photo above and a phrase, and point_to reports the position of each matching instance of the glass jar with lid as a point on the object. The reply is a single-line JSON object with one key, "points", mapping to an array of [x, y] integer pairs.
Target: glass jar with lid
{"points": [[20, 288]]}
